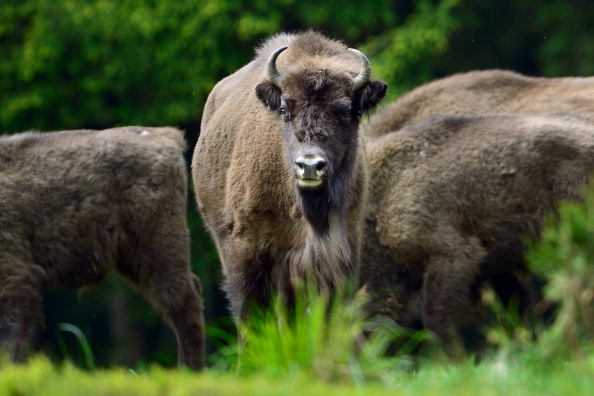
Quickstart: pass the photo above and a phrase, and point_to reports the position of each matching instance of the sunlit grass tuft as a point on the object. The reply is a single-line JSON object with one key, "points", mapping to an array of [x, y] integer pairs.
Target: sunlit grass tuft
{"points": [[507, 327], [321, 338]]}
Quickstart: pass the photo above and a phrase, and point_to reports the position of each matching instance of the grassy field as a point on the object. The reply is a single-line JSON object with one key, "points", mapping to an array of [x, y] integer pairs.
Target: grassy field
{"points": [[503, 375], [313, 353]]}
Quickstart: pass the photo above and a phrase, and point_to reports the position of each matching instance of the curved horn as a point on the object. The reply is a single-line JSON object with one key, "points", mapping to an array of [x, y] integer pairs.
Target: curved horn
{"points": [[361, 79], [271, 69]]}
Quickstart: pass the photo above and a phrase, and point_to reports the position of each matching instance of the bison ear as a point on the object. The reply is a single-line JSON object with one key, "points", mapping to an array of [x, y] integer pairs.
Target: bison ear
{"points": [[269, 94], [373, 92]]}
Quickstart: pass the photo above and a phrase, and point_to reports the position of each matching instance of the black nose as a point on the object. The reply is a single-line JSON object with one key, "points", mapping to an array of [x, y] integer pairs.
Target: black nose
{"points": [[311, 166]]}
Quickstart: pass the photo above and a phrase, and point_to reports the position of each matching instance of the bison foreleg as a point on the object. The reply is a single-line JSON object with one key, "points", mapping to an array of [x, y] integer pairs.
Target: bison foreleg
{"points": [[182, 307]]}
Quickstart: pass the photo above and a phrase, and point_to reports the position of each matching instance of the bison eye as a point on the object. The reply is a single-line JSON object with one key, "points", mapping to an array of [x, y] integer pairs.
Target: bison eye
{"points": [[286, 116], [344, 112]]}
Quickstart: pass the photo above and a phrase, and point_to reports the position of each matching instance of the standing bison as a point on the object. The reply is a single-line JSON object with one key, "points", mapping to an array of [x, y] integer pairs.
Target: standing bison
{"points": [[279, 168], [76, 204], [486, 92], [451, 199]]}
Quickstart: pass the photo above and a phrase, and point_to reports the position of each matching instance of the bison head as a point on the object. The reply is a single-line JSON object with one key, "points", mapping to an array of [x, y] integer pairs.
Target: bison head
{"points": [[321, 109]]}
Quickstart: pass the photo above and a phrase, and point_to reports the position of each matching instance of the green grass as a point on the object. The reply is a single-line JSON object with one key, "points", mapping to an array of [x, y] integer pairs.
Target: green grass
{"points": [[316, 351], [319, 339], [501, 375]]}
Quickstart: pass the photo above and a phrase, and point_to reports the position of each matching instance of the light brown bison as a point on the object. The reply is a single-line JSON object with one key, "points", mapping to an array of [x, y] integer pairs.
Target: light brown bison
{"points": [[279, 169], [486, 92], [76, 204], [451, 199]]}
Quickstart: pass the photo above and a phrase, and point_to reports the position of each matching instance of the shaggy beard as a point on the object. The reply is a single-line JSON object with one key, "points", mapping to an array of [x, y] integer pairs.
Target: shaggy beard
{"points": [[327, 256], [317, 204]]}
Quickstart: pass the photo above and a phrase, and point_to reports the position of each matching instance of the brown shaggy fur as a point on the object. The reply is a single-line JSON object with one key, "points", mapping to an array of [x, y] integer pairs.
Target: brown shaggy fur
{"points": [[486, 92], [76, 204], [268, 231], [450, 200]]}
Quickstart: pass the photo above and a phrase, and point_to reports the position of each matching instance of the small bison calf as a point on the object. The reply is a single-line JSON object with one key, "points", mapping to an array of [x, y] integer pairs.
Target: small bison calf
{"points": [[76, 204]]}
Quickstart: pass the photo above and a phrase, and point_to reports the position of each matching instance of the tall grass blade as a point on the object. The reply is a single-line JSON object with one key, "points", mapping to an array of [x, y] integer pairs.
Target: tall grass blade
{"points": [[83, 343]]}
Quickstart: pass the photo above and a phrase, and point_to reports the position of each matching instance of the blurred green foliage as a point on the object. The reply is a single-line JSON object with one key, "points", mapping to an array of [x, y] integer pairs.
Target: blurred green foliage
{"points": [[542, 38], [69, 64], [398, 51], [99, 63], [565, 257]]}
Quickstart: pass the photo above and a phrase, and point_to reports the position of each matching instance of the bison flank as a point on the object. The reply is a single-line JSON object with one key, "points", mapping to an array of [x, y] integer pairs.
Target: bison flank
{"points": [[451, 199]]}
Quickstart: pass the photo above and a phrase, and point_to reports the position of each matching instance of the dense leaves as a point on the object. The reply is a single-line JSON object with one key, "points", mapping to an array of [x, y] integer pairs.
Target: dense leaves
{"points": [[99, 63], [78, 64], [72, 64], [565, 256]]}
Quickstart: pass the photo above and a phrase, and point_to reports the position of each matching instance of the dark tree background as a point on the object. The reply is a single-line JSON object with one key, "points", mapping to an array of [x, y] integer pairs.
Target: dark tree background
{"points": [[71, 64]]}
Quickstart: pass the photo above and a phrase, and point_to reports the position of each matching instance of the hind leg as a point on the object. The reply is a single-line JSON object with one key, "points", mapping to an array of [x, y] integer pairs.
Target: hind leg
{"points": [[168, 283], [21, 308], [184, 312], [446, 291]]}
